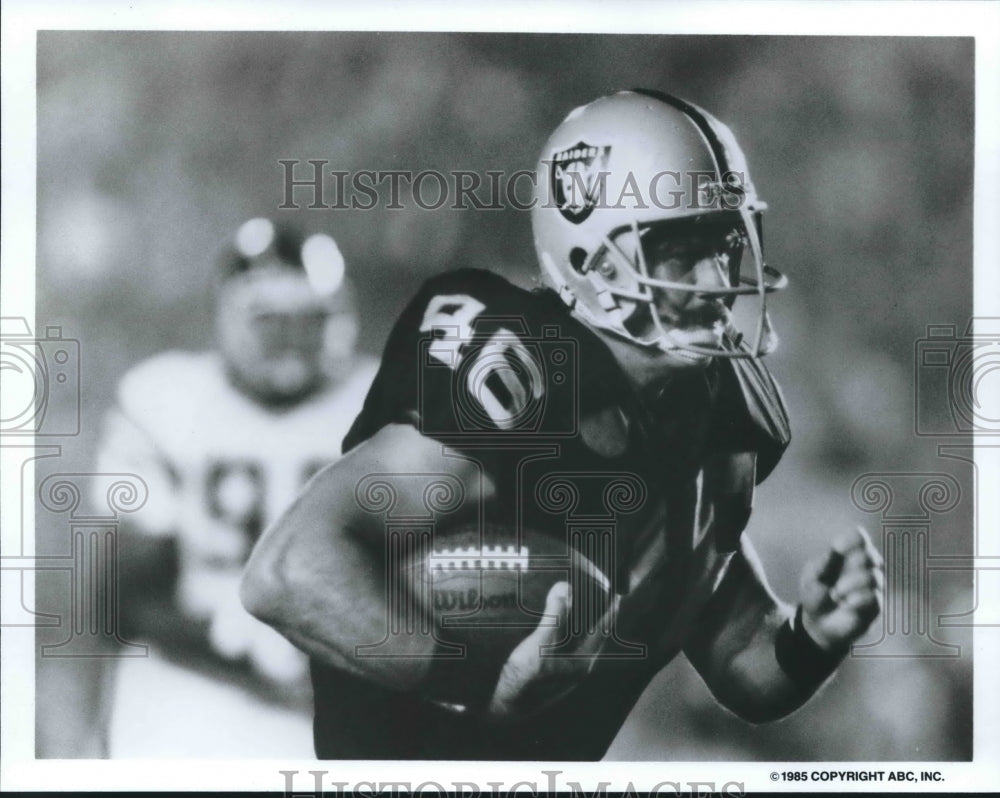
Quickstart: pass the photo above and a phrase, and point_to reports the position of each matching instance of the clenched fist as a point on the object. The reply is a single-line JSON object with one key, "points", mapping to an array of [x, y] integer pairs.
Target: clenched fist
{"points": [[842, 594]]}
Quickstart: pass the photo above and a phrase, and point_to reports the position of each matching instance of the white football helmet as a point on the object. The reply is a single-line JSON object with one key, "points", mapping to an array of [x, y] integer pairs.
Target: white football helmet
{"points": [[285, 310], [627, 164]]}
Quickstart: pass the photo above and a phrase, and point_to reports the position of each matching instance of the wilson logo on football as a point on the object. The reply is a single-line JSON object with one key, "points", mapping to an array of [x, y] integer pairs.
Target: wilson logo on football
{"points": [[472, 599], [576, 180]]}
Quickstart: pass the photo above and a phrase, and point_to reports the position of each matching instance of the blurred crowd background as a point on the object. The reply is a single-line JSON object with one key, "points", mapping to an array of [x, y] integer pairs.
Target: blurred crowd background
{"points": [[153, 147]]}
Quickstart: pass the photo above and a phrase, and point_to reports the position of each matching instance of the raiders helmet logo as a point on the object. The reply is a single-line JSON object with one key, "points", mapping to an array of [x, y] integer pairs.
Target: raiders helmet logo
{"points": [[577, 180]]}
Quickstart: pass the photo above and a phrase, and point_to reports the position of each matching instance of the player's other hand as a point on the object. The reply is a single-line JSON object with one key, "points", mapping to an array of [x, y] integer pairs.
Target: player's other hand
{"points": [[842, 592], [538, 670]]}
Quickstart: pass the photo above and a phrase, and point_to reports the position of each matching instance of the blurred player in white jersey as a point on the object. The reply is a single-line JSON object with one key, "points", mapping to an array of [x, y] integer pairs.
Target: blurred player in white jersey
{"points": [[224, 440]]}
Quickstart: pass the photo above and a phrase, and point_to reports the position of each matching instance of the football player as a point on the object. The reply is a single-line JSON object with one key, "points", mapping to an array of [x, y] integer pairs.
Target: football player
{"points": [[648, 228], [224, 439]]}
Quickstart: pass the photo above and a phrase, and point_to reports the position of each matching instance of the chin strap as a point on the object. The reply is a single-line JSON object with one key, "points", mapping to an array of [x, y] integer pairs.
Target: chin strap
{"points": [[763, 321], [737, 341]]}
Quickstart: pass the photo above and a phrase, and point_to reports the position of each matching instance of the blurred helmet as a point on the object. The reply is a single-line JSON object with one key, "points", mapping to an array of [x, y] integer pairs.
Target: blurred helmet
{"points": [[285, 310], [639, 166]]}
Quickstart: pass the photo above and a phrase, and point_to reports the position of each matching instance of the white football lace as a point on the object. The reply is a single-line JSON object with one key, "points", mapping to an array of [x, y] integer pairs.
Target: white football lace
{"points": [[480, 557]]}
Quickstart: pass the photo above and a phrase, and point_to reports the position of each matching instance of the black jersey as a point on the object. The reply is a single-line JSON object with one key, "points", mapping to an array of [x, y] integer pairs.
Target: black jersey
{"points": [[658, 483]]}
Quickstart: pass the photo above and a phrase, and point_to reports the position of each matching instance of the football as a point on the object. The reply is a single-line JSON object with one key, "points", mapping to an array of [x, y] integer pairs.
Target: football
{"points": [[485, 588]]}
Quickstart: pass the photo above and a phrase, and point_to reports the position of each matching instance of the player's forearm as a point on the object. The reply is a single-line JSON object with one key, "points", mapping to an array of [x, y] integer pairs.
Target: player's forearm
{"points": [[320, 584], [747, 653], [841, 594], [775, 673], [333, 627], [319, 575]]}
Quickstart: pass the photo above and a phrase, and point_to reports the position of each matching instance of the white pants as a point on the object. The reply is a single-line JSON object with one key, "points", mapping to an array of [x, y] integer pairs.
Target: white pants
{"points": [[163, 710]]}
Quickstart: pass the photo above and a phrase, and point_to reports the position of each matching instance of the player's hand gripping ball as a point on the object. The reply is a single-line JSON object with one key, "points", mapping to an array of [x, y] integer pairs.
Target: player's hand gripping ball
{"points": [[485, 591]]}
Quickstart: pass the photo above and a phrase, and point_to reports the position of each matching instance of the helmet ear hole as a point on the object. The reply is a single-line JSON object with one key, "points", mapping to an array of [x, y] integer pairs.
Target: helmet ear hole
{"points": [[577, 257]]}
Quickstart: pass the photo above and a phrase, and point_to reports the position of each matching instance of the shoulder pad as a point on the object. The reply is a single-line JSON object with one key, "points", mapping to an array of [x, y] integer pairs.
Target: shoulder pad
{"points": [[157, 381]]}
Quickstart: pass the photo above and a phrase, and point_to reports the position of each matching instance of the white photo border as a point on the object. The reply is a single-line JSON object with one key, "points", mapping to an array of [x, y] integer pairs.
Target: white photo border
{"points": [[22, 19]]}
